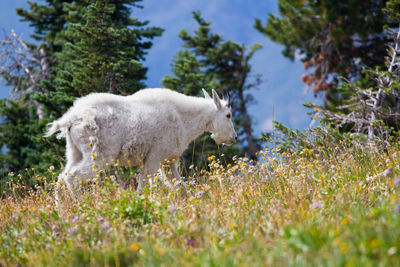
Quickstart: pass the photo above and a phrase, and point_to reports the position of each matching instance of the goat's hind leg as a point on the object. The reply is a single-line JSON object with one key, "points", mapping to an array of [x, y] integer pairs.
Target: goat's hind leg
{"points": [[68, 178], [74, 157], [77, 169], [74, 178]]}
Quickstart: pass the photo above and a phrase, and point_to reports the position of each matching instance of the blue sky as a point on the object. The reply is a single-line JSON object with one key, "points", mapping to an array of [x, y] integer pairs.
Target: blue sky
{"points": [[279, 97]]}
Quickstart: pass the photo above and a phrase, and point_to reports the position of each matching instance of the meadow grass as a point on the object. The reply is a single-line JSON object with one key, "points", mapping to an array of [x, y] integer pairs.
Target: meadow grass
{"points": [[315, 207]]}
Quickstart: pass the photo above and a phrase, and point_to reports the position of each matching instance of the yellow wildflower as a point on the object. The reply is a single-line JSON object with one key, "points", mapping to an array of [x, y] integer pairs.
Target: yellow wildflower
{"points": [[134, 246]]}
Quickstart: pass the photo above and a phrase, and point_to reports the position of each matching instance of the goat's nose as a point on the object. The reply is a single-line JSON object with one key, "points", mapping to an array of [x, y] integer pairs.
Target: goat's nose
{"points": [[234, 139]]}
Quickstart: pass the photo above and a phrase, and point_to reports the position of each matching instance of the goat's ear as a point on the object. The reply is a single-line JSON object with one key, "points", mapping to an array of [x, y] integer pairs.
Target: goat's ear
{"points": [[217, 101], [206, 95]]}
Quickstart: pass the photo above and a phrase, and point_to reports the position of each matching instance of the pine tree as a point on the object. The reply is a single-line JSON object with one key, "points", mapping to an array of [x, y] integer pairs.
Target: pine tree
{"points": [[102, 53], [210, 62]]}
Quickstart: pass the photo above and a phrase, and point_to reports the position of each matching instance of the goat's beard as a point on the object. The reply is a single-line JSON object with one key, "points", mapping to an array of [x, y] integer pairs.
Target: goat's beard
{"points": [[216, 139], [227, 143], [220, 141]]}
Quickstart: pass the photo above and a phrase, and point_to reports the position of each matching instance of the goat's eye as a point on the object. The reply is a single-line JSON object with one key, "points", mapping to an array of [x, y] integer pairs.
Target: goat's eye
{"points": [[228, 116]]}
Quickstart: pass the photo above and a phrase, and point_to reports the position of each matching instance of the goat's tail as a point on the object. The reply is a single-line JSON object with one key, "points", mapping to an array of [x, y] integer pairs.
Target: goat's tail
{"points": [[72, 117], [62, 125], [54, 127]]}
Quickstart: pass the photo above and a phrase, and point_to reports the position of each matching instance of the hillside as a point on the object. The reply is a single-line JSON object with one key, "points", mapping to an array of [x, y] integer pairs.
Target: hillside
{"points": [[330, 206]]}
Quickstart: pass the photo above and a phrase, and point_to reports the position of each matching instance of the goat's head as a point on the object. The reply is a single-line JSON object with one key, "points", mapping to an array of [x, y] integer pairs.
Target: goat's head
{"points": [[222, 130]]}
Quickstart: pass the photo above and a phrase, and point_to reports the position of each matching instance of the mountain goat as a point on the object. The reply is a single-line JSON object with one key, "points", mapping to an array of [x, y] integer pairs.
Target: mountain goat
{"points": [[144, 129]]}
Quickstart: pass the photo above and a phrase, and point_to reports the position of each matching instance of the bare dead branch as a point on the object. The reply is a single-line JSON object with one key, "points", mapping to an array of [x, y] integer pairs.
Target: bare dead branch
{"points": [[369, 110], [23, 67]]}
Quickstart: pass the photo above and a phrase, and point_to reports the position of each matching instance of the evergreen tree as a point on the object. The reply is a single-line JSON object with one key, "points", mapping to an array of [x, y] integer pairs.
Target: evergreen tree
{"points": [[210, 62], [334, 39], [102, 53], [91, 46]]}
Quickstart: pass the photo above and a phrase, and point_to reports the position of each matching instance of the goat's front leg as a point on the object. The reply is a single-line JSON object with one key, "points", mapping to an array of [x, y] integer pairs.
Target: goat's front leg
{"points": [[174, 173], [142, 174], [150, 167], [174, 167]]}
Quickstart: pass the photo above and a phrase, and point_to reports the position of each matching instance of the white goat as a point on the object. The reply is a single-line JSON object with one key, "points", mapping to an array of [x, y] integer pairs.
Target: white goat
{"points": [[144, 129]]}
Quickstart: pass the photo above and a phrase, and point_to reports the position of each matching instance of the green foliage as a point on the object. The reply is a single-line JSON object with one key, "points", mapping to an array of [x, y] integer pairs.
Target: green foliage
{"points": [[22, 149], [210, 62], [392, 9], [140, 210]]}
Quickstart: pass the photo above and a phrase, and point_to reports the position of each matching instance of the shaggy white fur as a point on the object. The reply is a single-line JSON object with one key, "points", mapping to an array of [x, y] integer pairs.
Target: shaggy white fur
{"points": [[144, 129]]}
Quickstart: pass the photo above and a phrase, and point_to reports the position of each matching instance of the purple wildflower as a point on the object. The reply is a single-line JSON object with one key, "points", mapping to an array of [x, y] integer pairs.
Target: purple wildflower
{"points": [[172, 208], [106, 225], [397, 208], [73, 230], [315, 205], [199, 193], [75, 218], [396, 181]]}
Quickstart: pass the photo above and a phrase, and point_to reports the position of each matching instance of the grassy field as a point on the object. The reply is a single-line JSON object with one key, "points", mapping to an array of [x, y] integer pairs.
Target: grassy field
{"points": [[320, 207]]}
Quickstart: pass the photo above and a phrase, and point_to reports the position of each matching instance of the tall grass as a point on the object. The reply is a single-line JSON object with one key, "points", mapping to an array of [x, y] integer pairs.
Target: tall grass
{"points": [[322, 206]]}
